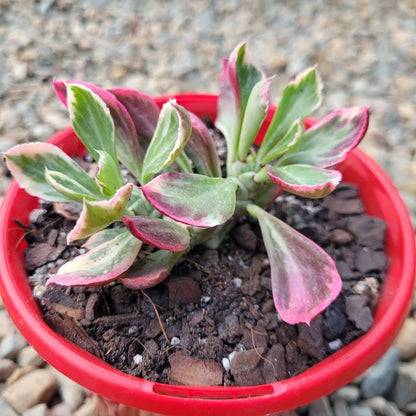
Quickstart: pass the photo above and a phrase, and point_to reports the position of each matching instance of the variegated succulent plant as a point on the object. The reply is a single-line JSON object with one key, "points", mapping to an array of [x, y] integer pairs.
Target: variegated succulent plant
{"points": [[178, 197]]}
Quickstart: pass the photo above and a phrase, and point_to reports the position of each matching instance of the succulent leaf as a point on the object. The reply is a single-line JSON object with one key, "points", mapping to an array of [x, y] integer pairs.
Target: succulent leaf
{"points": [[299, 99], [109, 177], [238, 79], [97, 215], [127, 144], [172, 132], [143, 111], [304, 180], [192, 199], [329, 141], [304, 278], [157, 232], [68, 186], [91, 120], [201, 149], [150, 270], [100, 265], [103, 236], [292, 136], [30, 162], [258, 105]]}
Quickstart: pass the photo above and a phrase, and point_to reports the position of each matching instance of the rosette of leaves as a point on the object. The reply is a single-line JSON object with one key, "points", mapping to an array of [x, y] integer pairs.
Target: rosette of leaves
{"points": [[178, 197]]}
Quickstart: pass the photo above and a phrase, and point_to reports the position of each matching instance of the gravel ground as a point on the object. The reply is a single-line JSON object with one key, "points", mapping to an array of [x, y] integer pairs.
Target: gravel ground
{"points": [[365, 51]]}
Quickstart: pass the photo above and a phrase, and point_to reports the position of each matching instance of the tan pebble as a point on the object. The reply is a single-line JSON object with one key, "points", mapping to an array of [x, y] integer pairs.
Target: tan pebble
{"points": [[6, 368], [28, 356], [6, 325], [36, 387], [20, 372], [406, 341], [87, 409]]}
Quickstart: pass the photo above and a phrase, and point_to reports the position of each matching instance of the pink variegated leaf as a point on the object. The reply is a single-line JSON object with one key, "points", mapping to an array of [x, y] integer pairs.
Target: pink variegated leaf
{"points": [[157, 232], [102, 264], [96, 215], [258, 105], [299, 99], [150, 270], [172, 133], [292, 136], [142, 109], [304, 277], [128, 146], [102, 237], [329, 141], [239, 77], [228, 117], [192, 199], [30, 162], [304, 180], [201, 149]]}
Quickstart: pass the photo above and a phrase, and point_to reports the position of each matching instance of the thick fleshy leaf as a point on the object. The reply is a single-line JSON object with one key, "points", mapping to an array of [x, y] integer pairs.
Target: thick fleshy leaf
{"points": [[304, 180], [304, 277], [201, 149], [142, 109], [91, 120], [109, 177], [100, 265], [192, 199], [68, 186], [257, 107], [97, 215], [103, 236], [299, 99], [150, 270], [127, 144], [172, 132], [238, 79], [330, 140], [157, 232], [139, 205], [28, 164], [292, 136]]}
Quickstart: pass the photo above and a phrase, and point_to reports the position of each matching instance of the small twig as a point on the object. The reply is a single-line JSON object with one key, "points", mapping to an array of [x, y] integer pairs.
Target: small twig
{"points": [[157, 315]]}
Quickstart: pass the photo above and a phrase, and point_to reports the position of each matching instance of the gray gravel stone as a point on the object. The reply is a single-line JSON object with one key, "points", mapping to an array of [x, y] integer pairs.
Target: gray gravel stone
{"points": [[11, 344], [380, 377]]}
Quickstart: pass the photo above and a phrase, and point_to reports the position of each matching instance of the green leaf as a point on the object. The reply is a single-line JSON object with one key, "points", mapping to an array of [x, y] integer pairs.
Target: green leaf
{"points": [[292, 136], [299, 99], [100, 265], [330, 140], [239, 77], [91, 120], [150, 270], [29, 163], [192, 199], [109, 177], [97, 215], [102, 237], [304, 277], [304, 180], [257, 107], [69, 187], [172, 132]]}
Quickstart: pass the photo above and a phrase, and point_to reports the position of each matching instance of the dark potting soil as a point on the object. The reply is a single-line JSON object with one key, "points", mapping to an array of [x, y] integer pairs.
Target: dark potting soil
{"points": [[213, 322]]}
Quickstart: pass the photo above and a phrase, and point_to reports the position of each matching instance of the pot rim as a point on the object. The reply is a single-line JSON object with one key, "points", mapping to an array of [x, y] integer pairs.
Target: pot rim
{"points": [[322, 379]]}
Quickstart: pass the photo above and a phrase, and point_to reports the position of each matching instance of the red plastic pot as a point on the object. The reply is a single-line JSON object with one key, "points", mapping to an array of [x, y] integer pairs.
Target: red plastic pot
{"points": [[121, 394]]}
